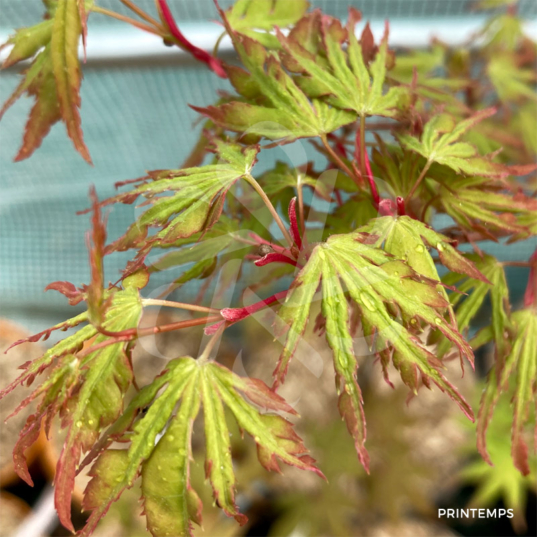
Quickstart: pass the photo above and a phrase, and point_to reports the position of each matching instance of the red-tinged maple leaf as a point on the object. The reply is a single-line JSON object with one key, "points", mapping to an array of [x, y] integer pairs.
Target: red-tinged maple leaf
{"points": [[517, 377], [161, 438], [53, 78], [376, 283]]}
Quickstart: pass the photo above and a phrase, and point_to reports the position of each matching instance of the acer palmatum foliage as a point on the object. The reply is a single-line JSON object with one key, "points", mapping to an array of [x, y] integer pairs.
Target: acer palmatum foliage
{"points": [[372, 262]]}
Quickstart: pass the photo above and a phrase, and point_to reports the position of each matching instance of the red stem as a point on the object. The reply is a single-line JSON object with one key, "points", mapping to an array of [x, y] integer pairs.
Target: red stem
{"points": [[233, 315], [203, 56], [141, 332]]}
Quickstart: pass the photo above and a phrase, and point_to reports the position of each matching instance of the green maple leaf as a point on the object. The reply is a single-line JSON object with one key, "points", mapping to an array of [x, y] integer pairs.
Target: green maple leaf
{"points": [[410, 240], [502, 481], [520, 367], [161, 454], [53, 78], [249, 16], [440, 143], [511, 82], [473, 292], [375, 282], [288, 113], [346, 79], [202, 249], [473, 206], [197, 201]]}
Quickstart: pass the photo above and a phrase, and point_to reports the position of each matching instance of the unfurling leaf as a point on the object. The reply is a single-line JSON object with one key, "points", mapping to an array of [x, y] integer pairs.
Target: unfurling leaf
{"points": [[517, 375], [53, 78], [160, 444], [352, 271]]}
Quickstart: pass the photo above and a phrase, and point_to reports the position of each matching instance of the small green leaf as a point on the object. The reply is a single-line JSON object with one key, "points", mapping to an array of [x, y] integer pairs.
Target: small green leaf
{"points": [[472, 293], [27, 42], [511, 82], [162, 454]]}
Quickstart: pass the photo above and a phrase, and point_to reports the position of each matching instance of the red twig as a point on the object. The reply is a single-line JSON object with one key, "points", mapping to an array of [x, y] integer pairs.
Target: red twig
{"points": [[233, 315], [203, 56]]}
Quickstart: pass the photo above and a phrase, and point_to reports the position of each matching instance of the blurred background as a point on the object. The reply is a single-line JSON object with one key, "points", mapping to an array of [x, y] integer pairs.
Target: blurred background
{"points": [[135, 117]]}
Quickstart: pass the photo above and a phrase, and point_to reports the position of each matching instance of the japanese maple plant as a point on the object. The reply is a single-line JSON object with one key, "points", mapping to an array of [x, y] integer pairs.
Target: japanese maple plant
{"points": [[411, 141]]}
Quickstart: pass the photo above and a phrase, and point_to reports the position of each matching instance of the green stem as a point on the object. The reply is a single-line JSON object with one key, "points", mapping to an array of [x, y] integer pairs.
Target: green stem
{"points": [[417, 183], [217, 44], [178, 305], [257, 187]]}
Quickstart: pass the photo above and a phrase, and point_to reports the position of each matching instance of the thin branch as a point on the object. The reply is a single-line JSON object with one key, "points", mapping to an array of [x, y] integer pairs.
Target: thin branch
{"points": [[142, 332], [257, 187], [178, 305], [337, 160], [218, 41], [418, 182], [142, 14], [123, 18]]}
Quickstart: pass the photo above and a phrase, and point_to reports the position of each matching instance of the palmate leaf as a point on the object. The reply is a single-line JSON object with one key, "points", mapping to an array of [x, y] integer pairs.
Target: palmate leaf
{"points": [[439, 143], [472, 293], [350, 269], [410, 240], [502, 481], [197, 201], [288, 113], [512, 83], [53, 78], [85, 387], [516, 375], [473, 206], [201, 251], [249, 16], [346, 80], [161, 452]]}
